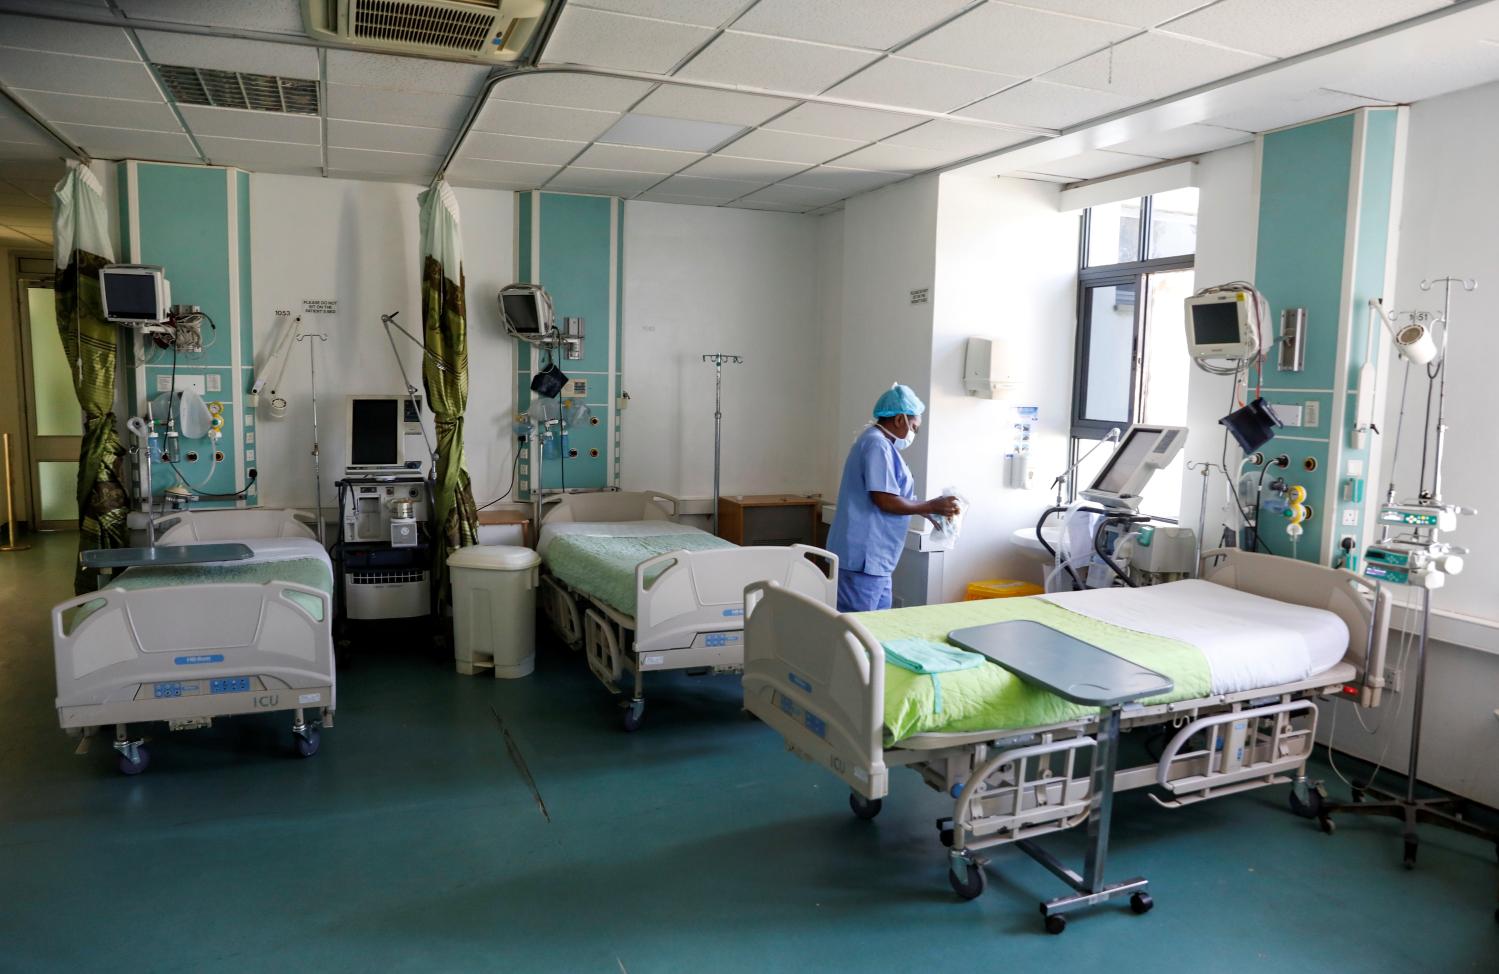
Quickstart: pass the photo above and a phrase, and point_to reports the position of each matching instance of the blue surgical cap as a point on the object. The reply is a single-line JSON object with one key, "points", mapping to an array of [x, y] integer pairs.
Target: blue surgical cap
{"points": [[898, 400]]}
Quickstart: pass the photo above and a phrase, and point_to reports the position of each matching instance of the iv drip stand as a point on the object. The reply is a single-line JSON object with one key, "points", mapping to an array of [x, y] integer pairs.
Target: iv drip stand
{"points": [[718, 359], [317, 458]]}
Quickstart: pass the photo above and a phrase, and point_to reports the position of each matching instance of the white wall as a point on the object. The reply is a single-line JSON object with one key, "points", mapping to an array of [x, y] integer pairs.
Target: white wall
{"points": [[357, 242], [829, 350], [703, 279], [1006, 269]]}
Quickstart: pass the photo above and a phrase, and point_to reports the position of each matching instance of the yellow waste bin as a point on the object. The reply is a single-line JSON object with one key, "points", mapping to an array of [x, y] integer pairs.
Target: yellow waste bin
{"points": [[1000, 588]]}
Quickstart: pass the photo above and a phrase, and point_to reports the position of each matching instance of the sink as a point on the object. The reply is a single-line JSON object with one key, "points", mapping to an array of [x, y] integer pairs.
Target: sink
{"points": [[1025, 540]]}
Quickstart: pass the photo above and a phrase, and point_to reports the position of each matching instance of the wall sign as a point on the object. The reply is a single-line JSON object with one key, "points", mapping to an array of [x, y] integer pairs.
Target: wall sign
{"points": [[312, 306], [920, 295]]}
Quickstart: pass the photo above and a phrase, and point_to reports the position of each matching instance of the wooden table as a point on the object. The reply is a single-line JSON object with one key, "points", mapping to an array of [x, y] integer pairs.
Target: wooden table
{"points": [[769, 519]]}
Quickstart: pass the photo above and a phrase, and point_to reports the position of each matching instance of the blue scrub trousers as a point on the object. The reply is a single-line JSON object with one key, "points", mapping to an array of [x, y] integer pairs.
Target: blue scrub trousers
{"points": [[858, 592]]}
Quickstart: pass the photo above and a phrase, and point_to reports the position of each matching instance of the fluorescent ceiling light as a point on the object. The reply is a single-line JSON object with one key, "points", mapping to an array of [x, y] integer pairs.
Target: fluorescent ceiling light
{"points": [[655, 132]]}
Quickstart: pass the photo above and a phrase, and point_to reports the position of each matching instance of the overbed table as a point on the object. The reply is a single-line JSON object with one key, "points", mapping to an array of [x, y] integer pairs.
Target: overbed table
{"points": [[107, 560]]}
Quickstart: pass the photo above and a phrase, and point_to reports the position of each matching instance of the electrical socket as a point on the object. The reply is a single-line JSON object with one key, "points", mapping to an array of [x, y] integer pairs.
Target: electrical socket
{"points": [[1394, 679], [1350, 517]]}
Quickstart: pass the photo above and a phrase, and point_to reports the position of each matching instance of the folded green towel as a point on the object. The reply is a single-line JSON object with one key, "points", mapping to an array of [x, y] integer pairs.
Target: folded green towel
{"points": [[931, 658]]}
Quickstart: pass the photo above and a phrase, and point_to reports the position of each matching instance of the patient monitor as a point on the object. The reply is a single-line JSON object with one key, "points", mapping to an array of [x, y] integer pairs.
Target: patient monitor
{"points": [[1143, 451], [385, 436], [1222, 325]]}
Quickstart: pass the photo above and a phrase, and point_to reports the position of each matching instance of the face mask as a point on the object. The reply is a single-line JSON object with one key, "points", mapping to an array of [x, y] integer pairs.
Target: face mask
{"points": [[906, 440]]}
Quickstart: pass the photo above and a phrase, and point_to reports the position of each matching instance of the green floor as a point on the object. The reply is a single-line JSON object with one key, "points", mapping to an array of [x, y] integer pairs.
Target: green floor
{"points": [[412, 843]]}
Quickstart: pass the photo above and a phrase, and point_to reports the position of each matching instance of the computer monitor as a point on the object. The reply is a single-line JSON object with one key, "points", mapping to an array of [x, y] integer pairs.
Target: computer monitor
{"points": [[1143, 451], [135, 294], [1221, 324], [527, 310], [379, 430]]}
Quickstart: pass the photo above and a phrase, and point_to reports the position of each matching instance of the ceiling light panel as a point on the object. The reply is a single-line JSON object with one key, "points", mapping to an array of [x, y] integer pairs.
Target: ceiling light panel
{"points": [[921, 85], [1135, 13], [571, 90], [876, 24], [35, 34], [541, 121], [362, 104], [738, 108], [609, 40], [669, 133], [518, 148], [1047, 105], [840, 122], [393, 138], [1018, 40], [789, 147], [69, 74], [153, 116], [234, 89], [1155, 65], [404, 73], [259, 57], [239, 124], [774, 63], [635, 159], [703, 13], [1282, 28]]}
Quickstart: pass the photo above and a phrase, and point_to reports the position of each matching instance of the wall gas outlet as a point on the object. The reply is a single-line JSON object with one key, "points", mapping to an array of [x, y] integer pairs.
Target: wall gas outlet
{"points": [[1394, 679]]}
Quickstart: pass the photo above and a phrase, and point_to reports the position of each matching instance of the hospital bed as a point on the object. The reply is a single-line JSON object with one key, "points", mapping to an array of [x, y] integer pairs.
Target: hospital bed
{"points": [[641, 593], [1015, 759], [185, 643]]}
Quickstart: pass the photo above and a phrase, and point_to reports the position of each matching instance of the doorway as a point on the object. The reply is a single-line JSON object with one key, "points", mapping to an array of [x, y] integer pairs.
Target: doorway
{"points": [[52, 420]]}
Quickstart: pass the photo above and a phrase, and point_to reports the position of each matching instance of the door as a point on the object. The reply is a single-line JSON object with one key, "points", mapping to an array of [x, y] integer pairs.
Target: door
{"points": [[54, 423]]}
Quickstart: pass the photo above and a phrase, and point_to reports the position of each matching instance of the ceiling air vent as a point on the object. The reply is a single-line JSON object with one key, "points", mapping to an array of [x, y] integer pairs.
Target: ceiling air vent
{"points": [[233, 89], [485, 30]]}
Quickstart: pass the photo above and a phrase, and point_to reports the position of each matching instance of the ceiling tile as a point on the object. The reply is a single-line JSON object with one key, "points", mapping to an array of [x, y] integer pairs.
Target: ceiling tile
{"points": [[374, 176], [799, 195], [12, 151], [609, 40], [113, 143], [1459, 66], [259, 156], [1289, 110], [602, 182], [789, 147], [489, 171], [728, 167], [843, 179], [704, 13], [1189, 140], [635, 159], [774, 63], [392, 163], [675, 198], [543, 122], [572, 90], [1155, 65], [392, 138], [900, 158], [876, 24], [840, 122], [736, 108], [922, 85], [15, 126], [34, 177], [1047, 105], [503, 185], [518, 148], [1093, 164], [1040, 177], [1020, 40], [768, 207], [404, 73], [722, 190], [24, 239], [1282, 28], [239, 123], [396, 107], [153, 116], [1136, 13], [687, 135], [77, 75], [36, 34], [29, 217], [277, 16], [958, 139], [225, 54]]}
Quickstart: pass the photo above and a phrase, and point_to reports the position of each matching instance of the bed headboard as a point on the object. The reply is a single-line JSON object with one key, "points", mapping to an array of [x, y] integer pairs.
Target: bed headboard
{"points": [[1362, 605], [611, 505], [232, 524]]}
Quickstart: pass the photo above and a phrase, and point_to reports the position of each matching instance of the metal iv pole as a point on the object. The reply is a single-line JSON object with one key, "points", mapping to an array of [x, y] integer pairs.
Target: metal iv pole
{"points": [[718, 359], [317, 459]]}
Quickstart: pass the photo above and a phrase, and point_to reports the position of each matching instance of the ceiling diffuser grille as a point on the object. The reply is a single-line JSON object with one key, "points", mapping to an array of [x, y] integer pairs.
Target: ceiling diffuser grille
{"points": [[234, 89], [406, 22]]}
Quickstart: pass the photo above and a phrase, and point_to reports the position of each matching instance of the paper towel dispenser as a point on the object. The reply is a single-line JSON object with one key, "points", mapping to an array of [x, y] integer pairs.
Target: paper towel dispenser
{"points": [[988, 370]]}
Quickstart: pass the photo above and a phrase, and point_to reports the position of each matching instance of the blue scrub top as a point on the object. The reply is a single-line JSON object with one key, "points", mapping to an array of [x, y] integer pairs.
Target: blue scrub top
{"points": [[865, 538]]}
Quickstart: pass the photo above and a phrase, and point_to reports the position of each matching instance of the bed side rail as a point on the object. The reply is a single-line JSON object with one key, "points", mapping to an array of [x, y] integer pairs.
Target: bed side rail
{"points": [[817, 678], [1363, 606], [681, 594], [610, 505]]}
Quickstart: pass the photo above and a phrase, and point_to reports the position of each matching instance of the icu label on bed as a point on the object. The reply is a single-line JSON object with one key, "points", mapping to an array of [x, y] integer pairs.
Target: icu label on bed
{"points": [[199, 658]]}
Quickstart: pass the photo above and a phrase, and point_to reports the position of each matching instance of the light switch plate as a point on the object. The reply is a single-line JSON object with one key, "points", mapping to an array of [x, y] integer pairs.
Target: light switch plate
{"points": [[1311, 413]]}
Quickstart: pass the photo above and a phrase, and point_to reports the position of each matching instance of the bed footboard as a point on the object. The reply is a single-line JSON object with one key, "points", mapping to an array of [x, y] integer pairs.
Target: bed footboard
{"points": [[818, 678]]}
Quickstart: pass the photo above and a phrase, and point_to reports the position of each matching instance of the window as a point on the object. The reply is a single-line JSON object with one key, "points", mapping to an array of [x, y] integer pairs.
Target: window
{"points": [[1131, 364]]}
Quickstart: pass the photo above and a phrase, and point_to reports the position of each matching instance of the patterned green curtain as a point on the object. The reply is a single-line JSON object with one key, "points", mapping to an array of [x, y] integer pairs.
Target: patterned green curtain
{"points": [[445, 372], [91, 343]]}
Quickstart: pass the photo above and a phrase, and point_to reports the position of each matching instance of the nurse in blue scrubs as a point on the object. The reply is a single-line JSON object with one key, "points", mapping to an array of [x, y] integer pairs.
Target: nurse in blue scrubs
{"points": [[875, 498]]}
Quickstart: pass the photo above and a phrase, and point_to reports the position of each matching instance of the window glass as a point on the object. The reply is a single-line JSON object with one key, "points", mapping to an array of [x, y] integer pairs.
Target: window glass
{"points": [[1173, 223], [1110, 311], [57, 410], [1114, 233]]}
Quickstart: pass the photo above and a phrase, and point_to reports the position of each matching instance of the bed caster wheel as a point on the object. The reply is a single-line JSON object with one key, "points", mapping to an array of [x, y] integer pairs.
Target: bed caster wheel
{"points": [[307, 743], [1311, 807], [139, 763], [945, 837], [864, 808], [1410, 854], [632, 716], [1056, 924], [1356, 792], [1327, 825], [1140, 903], [973, 886]]}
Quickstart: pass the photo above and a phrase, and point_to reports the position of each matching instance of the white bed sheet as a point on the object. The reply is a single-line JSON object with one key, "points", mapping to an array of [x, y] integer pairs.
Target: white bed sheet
{"points": [[611, 529], [1249, 641]]}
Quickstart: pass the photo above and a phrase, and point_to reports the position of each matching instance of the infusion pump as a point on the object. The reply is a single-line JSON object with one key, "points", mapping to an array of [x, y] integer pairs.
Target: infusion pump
{"points": [[368, 513]]}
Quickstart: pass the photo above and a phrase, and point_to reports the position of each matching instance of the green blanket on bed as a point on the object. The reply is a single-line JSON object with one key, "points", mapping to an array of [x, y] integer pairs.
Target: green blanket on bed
{"points": [[604, 567], [311, 572], [989, 697]]}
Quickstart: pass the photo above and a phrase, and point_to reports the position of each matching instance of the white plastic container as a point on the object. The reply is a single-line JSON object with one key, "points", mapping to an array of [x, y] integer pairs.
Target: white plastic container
{"points": [[494, 609]]}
